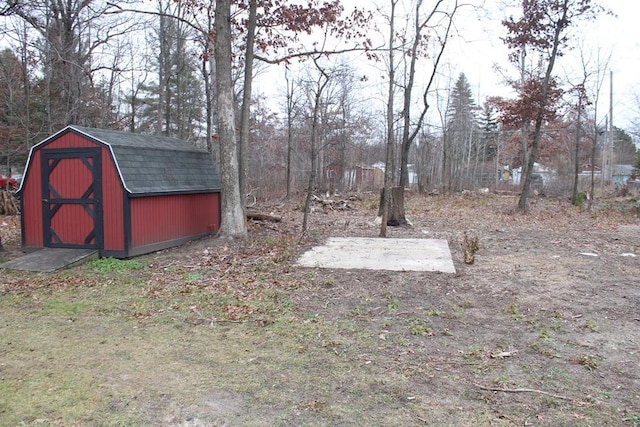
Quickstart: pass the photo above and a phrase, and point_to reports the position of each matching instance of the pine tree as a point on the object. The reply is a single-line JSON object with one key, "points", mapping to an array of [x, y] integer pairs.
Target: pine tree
{"points": [[172, 106], [461, 141]]}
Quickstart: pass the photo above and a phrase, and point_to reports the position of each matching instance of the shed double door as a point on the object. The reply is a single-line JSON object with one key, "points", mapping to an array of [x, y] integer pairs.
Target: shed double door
{"points": [[71, 195]]}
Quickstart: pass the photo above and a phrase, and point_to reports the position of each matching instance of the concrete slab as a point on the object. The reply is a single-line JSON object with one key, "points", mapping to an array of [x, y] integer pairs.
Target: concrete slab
{"points": [[51, 259], [381, 254]]}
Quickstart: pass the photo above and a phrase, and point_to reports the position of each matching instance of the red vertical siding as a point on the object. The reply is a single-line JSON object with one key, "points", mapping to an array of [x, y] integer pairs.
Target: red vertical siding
{"points": [[70, 179], [165, 218], [154, 220], [70, 140], [112, 204], [32, 233]]}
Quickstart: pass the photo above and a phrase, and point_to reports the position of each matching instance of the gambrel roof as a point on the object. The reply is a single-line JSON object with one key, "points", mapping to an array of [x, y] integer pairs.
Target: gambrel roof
{"points": [[154, 164]]}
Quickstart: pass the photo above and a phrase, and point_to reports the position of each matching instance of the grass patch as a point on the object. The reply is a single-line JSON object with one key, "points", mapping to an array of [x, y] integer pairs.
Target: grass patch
{"points": [[65, 308], [420, 328], [242, 338], [513, 310], [105, 265]]}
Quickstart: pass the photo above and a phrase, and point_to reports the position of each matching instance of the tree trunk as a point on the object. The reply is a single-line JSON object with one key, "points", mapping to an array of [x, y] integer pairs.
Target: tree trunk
{"points": [[314, 150], [395, 207], [246, 100], [290, 106], [388, 173], [233, 223], [397, 216], [592, 183], [307, 200], [576, 169]]}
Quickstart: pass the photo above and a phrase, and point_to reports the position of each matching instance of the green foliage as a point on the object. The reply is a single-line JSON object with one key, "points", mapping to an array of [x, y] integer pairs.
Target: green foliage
{"points": [[192, 278], [624, 147], [580, 199], [65, 308], [543, 346], [513, 310], [634, 420], [589, 362], [105, 265], [420, 328], [591, 325]]}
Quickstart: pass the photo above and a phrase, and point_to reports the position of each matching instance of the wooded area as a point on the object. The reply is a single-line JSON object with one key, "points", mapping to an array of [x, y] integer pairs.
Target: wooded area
{"points": [[182, 69]]}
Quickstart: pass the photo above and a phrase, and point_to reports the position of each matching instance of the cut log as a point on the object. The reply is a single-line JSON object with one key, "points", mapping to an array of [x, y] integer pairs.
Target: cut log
{"points": [[263, 217]]}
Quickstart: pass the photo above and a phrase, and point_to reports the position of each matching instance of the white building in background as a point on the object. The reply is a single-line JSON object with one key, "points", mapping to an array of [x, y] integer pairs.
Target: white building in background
{"points": [[544, 172]]}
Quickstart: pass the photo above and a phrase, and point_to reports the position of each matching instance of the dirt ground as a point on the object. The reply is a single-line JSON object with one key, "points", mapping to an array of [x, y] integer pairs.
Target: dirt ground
{"points": [[542, 329], [551, 305]]}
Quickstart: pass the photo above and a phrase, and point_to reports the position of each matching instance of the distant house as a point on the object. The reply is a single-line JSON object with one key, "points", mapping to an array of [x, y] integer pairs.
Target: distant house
{"points": [[365, 178], [622, 173], [544, 172], [587, 168], [371, 178]]}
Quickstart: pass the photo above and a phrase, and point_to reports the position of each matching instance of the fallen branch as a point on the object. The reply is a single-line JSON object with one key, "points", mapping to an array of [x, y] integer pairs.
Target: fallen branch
{"points": [[527, 390], [263, 217], [330, 204]]}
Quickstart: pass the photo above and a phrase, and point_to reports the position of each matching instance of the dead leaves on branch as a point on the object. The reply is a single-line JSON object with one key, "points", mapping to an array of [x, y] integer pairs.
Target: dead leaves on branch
{"points": [[514, 113]]}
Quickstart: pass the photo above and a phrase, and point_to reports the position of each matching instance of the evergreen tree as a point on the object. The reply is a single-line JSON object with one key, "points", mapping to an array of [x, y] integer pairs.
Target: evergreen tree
{"points": [[489, 125], [462, 137], [623, 147], [172, 105]]}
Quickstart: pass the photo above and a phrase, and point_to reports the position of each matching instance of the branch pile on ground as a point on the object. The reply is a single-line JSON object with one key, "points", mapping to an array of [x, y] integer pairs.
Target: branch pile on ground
{"points": [[331, 204], [8, 203]]}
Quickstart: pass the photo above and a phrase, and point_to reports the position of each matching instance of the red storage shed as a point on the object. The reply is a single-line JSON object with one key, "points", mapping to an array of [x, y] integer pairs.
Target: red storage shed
{"points": [[121, 193]]}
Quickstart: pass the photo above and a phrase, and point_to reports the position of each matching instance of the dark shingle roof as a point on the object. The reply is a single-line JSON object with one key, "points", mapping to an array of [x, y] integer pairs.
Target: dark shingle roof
{"points": [[157, 164], [623, 170]]}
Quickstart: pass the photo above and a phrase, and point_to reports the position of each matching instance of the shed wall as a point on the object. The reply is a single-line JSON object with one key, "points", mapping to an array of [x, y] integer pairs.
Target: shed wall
{"points": [[31, 205], [113, 195], [131, 224], [112, 203], [162, 221]]}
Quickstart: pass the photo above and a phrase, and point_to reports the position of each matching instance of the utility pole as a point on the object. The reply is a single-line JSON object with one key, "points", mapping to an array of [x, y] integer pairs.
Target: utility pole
{"points": [[605, 150], [610, 150]]}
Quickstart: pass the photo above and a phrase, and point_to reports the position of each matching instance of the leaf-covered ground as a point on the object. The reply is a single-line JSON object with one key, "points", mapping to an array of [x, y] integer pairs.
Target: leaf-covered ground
{"points": [[543, 329]]}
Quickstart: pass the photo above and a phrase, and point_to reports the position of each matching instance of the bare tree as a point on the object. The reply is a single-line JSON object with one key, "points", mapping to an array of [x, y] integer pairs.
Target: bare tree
{"points": [[595, 88], [385, 199], [292, 102], [316, 94], [71, 35], [246, 95], [437, 21]]}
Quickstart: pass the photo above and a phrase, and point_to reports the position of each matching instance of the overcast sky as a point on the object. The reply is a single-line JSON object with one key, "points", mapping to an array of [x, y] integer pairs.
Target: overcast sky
{"points": [[610, 35], [479, 52]]}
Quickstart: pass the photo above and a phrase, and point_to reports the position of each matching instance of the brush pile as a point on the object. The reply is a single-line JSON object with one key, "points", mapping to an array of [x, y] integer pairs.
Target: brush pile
{"points": [[8, 203]]}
